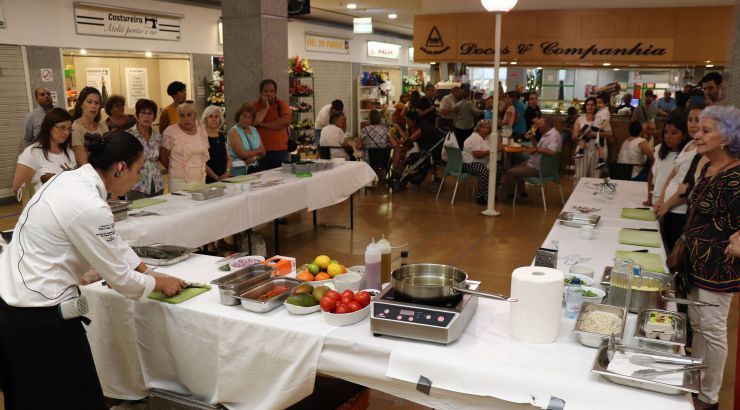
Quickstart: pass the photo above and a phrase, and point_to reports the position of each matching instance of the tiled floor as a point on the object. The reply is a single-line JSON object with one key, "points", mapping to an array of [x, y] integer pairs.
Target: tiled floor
{"points": [[487, 248]]}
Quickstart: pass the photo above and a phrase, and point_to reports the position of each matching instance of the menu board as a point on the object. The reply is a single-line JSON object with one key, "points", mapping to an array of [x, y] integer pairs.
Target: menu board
{"points": [[137, 85]]}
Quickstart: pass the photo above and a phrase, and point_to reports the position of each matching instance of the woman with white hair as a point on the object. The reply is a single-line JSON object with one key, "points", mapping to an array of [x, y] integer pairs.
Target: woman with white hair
{"points": [[218, 166], [714, 215], [184, 149]]}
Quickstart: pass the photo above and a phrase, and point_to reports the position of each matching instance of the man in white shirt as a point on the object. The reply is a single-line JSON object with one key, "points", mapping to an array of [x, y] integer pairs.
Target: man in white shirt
{"points": [[333, 136], [447, 107], [550, 144], [33, 120], [322, 118]]}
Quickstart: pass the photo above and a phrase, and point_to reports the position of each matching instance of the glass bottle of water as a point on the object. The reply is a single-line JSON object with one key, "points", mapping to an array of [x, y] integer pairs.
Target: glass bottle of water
{"points": [[573, 298]]}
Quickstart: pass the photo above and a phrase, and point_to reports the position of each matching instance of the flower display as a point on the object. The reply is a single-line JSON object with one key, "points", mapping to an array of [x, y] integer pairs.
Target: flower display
{"points": [[299, 67], [216, 84]]}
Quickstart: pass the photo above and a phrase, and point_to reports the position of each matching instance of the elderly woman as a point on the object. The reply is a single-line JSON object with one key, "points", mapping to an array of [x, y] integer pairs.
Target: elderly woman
{"points": [[185, 149], [86, 120], [333, 136], [245, 144], [218, 166], [151, 182], [374, 136], [49, 155], [475, 155], [714, 216], [117, 120]]}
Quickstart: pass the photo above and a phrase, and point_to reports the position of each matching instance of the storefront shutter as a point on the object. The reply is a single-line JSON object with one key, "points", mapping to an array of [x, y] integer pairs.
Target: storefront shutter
{"points": [[333, 80], [13, 108]]}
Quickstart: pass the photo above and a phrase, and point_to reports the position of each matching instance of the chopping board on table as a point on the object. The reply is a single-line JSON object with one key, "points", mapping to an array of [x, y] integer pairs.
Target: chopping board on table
{"points": [[639, 214], [186, 294], [242, 178], [200, 187], [144, 202], [649, 261], [640, 238]]}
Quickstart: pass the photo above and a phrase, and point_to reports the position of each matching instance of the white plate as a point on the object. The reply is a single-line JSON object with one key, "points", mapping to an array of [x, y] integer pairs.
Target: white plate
{"points": [[346, 319]]}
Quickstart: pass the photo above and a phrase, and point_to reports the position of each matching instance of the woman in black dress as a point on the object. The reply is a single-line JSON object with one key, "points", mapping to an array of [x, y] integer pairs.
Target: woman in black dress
{"points": [[218, 167]]}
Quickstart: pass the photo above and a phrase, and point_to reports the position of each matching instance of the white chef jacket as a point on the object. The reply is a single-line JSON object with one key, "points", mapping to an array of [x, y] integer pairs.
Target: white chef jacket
{"points": [[67, 228]]}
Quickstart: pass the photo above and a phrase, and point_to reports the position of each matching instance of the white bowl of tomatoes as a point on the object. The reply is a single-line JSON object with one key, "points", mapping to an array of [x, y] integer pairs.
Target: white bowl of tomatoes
{"points": [[346, 308]]}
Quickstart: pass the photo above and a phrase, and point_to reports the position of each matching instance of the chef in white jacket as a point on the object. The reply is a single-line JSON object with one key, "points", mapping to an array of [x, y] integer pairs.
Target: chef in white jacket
{"points": [[65, 229]]}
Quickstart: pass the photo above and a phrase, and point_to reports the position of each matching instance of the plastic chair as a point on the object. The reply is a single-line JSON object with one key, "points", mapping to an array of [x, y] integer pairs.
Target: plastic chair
{"points": [[380, 159], [453, 168], [324, 152], [549, 171]]}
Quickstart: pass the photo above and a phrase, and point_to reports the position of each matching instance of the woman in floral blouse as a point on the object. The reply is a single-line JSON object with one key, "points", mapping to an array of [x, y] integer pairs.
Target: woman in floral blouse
{"points": [[714, 216], [150, 181]]}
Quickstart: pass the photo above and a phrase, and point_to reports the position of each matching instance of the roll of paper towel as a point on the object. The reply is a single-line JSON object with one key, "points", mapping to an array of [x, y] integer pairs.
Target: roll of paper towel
{"points": [[535, 318]]}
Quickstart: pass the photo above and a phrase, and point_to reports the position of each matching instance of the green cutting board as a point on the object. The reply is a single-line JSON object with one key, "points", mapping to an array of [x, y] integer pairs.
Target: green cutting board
{"points": [[649, 261], [641, 214], [186, 294], [198, 187], [639, 238], [242, 178], [144, 202]]}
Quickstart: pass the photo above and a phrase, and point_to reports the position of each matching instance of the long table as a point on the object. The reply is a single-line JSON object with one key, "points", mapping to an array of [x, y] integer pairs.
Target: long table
{"points": [[224, 354], [185, 222]]}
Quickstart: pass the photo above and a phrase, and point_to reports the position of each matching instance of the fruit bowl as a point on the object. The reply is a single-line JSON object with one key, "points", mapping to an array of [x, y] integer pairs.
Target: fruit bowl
{"points": [[346, 319], [300, 310]]}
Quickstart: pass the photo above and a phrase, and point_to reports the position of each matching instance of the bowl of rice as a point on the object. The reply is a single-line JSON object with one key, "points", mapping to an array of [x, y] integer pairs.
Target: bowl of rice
{"points": [[596, 322]]}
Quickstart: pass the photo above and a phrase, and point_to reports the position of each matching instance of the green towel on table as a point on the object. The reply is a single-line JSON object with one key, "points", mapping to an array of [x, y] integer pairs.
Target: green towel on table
{"points": [[641, 214], [144, 202], [198, 187], [186, 294], [649, 261], [639, 238], [242, 178]]}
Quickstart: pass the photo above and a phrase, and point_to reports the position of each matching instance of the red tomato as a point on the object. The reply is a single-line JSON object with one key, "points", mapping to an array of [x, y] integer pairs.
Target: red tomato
{"points": [[333, 294], [342, 309], [328, 304], [348, 293], [363, 297], [354, 306], [347, 299]]}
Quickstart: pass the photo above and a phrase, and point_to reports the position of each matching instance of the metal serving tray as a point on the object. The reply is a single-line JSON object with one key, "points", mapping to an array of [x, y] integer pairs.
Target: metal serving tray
{"points": [[250, 297], [119, 208], [691, 378], [231, 285], [162, 255], [592, 339], [207, 193], [672, 345], [576, 220]]}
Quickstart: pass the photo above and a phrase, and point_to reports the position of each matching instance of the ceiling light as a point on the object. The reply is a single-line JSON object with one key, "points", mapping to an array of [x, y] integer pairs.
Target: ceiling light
{"points": [[148, 54], [432, 62], [498, 5], [607, 64], [538, 68], [83, 51], [708, 61], [513, 63], [709, 65], [393, 16], [616, 69], [351, 6]]}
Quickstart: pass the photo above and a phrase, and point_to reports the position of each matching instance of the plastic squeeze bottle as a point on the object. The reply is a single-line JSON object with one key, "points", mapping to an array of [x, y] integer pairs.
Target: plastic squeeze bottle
{"points": [[372, 266], [385, 260]]}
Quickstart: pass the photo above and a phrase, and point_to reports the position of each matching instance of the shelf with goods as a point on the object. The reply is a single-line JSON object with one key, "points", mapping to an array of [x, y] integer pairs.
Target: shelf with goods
{"points": [[370, 97], [302, 105]]}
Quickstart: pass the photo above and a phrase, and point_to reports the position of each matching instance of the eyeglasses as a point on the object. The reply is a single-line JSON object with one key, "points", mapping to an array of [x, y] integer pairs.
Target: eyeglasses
{"points": [[146, 113], [64, 130]]}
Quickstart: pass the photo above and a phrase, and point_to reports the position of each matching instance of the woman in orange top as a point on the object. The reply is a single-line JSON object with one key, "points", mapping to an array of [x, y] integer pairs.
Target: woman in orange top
{"points": [[178, 92], [184, 149], [272, 122]]}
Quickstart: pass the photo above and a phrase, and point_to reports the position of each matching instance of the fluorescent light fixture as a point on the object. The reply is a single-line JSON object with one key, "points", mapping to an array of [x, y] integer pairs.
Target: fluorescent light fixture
{"points": [[83, 51], [708, 61], [498, 5], [513, 63], [393, 16], [432, 62], [607, 64], [538, 68], [351, 6], [148, 54], [363, 25], [411, 54], [709, 65], [616, 69], [220, 32]]}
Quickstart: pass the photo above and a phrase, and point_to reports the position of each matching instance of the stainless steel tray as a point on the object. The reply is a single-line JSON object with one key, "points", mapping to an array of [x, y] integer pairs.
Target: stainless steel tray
{"points": [[691, 378], [231, 285], [250, 297], [162, 255], [672, 345], [207, 193], [119, 209], [592, 339], [577, 220]]}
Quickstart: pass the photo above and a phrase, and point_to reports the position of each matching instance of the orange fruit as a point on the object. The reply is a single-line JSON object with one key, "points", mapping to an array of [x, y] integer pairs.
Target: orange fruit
{"points": [[305, 276], [322, 276], [344, 268]]}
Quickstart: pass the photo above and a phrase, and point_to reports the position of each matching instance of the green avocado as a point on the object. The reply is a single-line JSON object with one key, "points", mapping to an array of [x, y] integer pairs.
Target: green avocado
{"points": [[302, 299]]}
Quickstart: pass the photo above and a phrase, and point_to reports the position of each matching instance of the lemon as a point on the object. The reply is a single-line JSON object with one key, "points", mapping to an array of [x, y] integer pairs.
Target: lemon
{"points": [[334, 269], [323, 261]]}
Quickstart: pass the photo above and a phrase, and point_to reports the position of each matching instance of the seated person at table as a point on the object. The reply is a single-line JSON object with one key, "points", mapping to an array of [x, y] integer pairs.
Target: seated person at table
{"points": [[49, 155], [636, 151], [475, 156], [333, 136], [550, 144], [373, 136]]}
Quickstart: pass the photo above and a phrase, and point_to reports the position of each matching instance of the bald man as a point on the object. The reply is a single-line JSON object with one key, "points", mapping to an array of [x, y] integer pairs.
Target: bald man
{"points": [[32, 122]]}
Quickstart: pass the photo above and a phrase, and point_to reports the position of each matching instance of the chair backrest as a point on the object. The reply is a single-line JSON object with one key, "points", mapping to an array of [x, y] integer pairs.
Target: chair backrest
{"points": [[454, 161], [379, 157], [324, 152], [550, 167], [620, 171]]}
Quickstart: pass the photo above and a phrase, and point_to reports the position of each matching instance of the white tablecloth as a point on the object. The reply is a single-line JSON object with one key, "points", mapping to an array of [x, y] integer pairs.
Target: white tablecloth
{"points": [[185, 222]]}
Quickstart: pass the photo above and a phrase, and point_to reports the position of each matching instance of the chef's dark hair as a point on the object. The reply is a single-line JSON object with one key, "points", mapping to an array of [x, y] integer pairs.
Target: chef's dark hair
{"points": [[111, 148]]}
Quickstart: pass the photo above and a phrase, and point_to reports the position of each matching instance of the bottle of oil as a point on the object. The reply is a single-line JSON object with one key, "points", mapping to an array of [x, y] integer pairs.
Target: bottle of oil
{"points": [[385, 259]]}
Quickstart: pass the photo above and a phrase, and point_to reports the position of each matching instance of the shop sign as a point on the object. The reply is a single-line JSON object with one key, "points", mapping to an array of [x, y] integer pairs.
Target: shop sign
{"points": [[383, 50], [326, 44], [102, 20], [99, 78], [137, 85]]}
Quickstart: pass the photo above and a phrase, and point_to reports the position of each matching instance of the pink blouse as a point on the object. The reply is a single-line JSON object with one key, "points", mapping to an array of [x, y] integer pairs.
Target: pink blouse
{"points": [[188, 153]]}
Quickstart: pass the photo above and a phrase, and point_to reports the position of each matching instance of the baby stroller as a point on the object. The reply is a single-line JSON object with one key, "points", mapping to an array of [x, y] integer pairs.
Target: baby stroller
{"points": [[416, 167]]}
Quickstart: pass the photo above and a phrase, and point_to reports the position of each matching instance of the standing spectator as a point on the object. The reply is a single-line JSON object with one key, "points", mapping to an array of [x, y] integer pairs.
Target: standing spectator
{"points": [[333, 136], [399, 112], [185, 149], [117, 120], [666, 104], [586, 165], [245, 145], [509, 118], [322, 118], [272, 122], [49, 155], [475, 155], [715, 216], [636, 151], [626, 108], [218, 166], [33, 120], [532, 111], [711, 85], [648, 132], [550, 144], [178, 92], [373, 136], [648, 110], [465, 116], [86, 120], [447, 108], [675, 137], [151, 181], [520, 125], [425, 106]]}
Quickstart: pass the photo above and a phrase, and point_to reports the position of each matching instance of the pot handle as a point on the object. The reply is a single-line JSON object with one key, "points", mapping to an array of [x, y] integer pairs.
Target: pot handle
{"points": [[484, 294], [681, 301]]}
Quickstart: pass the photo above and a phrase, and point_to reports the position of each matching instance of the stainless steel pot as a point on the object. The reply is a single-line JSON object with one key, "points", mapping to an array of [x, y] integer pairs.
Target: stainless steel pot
{"points": [[427, 282], [652, 291]]}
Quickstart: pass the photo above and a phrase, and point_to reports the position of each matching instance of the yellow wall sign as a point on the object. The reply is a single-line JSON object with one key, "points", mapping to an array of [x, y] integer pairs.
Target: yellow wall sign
{"points": [[326, 44]]}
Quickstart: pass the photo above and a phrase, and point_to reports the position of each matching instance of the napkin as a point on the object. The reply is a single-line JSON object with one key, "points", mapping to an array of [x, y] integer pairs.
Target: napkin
{"points": [[649, 261], [186, 294], [621, 364], [144, 202], [641, 214], [639, 238]]}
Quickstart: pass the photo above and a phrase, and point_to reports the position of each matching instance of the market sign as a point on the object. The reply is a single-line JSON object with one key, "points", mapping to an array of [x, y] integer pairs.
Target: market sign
{"points": [[327, 44], [103, 20], [383, 50]]}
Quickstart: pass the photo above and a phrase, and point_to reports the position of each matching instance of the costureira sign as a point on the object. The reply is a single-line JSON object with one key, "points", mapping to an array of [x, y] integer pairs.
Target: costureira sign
{"points": [[101, 20]]}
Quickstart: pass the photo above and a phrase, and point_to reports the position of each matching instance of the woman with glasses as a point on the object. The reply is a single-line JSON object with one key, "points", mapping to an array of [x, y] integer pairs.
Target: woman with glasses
{"points": [[151, 182], [185, 149], [49, 155], [117, 120], [86, 120]]}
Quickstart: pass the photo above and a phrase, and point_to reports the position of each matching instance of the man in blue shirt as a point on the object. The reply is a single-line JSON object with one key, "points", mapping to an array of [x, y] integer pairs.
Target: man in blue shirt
{"points": [[666, 104], [520, 125]]}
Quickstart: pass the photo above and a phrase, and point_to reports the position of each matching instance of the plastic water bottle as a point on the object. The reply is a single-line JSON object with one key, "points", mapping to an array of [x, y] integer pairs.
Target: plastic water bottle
{"points": [[573, 299], [372, 266]]}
